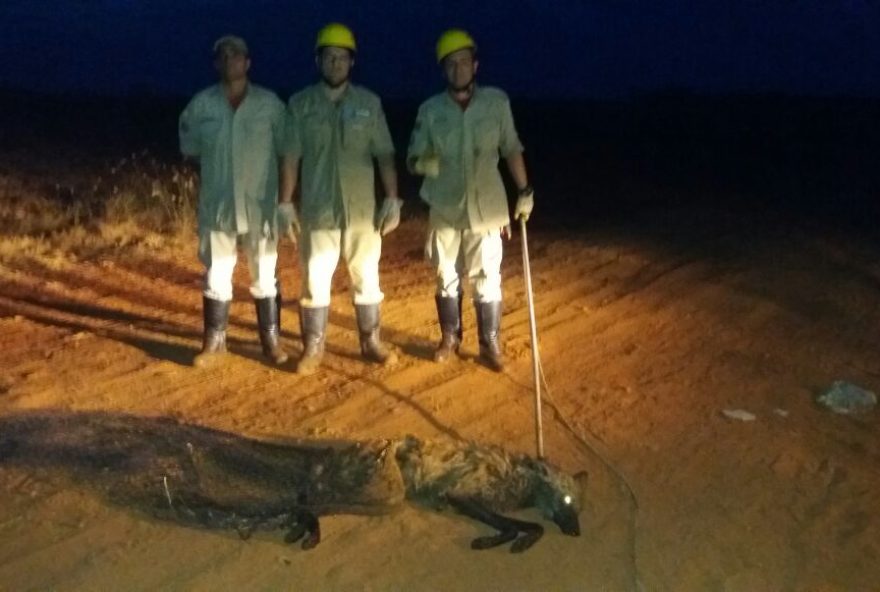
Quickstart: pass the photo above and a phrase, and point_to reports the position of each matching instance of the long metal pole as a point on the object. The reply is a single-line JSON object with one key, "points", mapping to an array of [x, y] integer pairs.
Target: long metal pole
{"points": [[539, 427]]}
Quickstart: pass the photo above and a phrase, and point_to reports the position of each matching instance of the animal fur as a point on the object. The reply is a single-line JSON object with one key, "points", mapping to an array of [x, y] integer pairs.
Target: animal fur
{"points": [[219, 480]]}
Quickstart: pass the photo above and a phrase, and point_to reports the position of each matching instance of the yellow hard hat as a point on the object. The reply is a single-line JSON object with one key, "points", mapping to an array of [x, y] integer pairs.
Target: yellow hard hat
{"points": [[336, 35], [453, 40]]}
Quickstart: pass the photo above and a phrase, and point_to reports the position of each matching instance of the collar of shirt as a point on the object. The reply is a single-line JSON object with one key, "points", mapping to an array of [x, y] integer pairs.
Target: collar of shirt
{"points": [[345, 96], [473, 98], [220, 93]]}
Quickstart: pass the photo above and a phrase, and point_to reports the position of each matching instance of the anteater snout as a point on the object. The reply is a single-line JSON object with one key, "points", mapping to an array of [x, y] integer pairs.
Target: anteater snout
{"points": [[568, 522]]}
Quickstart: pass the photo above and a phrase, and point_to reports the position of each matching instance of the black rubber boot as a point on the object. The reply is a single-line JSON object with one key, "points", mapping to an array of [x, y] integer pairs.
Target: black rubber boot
{"points": [[313, 325], [270, 329], [216, 314], [449, 313], [489, 324], [278, 302], [372, 348]]}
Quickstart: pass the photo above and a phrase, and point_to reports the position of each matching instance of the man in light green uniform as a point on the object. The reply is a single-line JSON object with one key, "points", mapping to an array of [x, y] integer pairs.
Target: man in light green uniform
{"points": [[236, 131], [338, 129], [458, 137]]}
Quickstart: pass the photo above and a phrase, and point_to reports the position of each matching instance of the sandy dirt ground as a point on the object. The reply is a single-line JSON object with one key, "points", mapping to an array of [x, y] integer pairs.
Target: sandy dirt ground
{"points": [[648, 332]]}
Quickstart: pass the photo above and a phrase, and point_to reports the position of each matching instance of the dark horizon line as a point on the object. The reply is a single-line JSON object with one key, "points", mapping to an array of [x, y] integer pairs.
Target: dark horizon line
{"points": [[635, 95]]}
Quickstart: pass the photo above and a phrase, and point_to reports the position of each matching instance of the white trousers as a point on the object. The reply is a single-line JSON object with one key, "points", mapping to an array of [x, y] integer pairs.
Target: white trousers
{"points": [[219, 253], [319, 254], [459, 253]]}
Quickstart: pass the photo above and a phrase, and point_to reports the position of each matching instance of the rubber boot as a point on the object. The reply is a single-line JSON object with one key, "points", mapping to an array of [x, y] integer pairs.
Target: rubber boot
{"points": [[313, 325], [278, 302], [449, 313], [216, 315], [372, 348], [489, 323], [270, 329]]}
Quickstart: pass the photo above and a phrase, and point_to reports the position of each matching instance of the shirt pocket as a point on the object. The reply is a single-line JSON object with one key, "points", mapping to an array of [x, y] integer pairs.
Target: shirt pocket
{"points": [[445, 138], [316, 133], [356, 132], [209, 131], [487, 138], [259, 137], [260, 127]]}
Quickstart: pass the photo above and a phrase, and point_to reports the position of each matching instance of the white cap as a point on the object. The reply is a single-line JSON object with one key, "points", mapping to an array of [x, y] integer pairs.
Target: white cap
{"points": [[233, 42]]}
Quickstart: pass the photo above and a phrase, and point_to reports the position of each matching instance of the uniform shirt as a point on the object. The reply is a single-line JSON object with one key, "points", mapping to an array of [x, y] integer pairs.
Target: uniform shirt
{"points": [[238, 152], [468, 193], [337, 142]]}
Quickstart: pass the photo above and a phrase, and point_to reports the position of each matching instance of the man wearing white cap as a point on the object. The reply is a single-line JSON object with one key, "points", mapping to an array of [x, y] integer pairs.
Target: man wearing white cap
{"points": [[458, 137], [338, 130], [237, 131]]}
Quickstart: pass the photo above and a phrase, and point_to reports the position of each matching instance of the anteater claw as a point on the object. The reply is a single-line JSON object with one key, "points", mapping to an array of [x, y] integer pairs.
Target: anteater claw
{"points": [[528, 539], [296, 532], [488, 542], [311, 541]]}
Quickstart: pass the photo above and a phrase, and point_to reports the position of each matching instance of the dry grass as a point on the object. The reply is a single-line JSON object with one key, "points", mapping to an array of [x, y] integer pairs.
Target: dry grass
{"points": [[50, 208]]}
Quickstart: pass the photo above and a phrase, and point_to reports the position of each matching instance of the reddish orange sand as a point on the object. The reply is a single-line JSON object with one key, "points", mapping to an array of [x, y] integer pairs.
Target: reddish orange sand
{"points": [[646, 337]]}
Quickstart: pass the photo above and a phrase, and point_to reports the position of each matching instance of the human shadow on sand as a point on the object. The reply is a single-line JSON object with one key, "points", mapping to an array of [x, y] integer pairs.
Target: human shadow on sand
{"points": [[146, 333]]}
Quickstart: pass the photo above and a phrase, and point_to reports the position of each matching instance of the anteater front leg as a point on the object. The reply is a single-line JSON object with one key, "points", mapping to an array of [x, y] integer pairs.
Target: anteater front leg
{"points": [[508, 528], [302, 522]]}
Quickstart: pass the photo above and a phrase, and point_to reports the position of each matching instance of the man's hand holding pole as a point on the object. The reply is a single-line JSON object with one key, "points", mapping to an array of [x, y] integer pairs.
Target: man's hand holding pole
{"points": [[525, 203]]}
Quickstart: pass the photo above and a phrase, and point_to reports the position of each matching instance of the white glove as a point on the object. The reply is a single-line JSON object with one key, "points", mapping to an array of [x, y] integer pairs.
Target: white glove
{"points": [[388, 217], [288, 220], [524, 204], [429, 166]]}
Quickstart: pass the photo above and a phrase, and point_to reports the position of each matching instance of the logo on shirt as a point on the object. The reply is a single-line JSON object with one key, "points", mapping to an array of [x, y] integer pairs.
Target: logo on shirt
{"points": [[349, 112]]}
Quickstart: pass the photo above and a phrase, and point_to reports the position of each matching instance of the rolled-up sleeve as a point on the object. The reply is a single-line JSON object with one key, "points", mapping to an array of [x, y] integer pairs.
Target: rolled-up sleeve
{"points": [[294, 132], [509, 143], [381, 143], [420, 138], [188, 130], [280, 130]]}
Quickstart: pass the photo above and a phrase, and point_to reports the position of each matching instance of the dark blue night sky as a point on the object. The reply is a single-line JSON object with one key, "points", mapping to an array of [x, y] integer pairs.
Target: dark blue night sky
{"points": [[537, 48]]}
